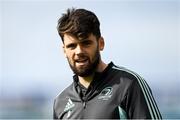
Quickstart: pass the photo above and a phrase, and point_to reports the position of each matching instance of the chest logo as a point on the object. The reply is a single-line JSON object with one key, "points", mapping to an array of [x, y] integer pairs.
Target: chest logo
{"points": [[69, 105], [106, 93]]}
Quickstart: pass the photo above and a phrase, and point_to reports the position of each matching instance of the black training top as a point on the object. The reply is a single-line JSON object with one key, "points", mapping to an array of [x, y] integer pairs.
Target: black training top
{"points": [[115, 93]]}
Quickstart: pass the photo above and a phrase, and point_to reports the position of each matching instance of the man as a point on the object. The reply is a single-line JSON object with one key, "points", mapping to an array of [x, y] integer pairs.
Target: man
{"points": [[99, 90]]}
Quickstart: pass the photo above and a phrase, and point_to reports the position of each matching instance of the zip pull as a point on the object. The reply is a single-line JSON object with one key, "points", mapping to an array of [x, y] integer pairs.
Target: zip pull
{"points": [[84, 104]]}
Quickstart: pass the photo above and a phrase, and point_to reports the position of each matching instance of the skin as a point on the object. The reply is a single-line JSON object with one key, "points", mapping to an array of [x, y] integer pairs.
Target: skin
{"points": [[80, 53]]}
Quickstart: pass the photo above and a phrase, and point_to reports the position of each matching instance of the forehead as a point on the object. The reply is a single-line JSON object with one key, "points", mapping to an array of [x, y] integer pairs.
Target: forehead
{"points": [[68, 38]]}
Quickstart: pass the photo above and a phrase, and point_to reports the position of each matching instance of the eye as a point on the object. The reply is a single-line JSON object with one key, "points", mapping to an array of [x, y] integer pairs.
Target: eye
{"points": [[87, 43], [71, 46]]}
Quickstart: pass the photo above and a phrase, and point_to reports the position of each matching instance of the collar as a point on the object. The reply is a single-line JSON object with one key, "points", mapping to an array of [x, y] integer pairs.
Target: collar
{"points": [[94, 85]]}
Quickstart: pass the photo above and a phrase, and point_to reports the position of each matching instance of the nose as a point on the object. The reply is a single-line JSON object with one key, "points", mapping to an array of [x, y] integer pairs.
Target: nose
{"points": [[79, 49]]}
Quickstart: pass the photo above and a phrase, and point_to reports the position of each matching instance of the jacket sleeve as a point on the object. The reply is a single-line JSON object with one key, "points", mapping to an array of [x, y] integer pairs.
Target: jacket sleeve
{"points": [[140, 103]]}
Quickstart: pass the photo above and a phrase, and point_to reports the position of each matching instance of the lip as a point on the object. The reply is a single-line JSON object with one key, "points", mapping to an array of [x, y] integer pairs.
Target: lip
{"points": [[81, 62]]}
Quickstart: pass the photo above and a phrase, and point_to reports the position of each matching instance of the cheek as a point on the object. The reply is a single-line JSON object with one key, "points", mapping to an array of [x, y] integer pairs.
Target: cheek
{"points": [[69, 56], [93, 54]]}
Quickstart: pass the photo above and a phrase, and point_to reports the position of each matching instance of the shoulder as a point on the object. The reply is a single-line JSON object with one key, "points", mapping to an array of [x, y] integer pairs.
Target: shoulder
{"points": [[126, 73], [129, 77], [132, 80], [61, 99], [65, 92]]}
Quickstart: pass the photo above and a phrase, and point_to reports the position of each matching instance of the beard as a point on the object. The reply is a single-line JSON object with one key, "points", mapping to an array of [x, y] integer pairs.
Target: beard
{"points": [[88, 69]]}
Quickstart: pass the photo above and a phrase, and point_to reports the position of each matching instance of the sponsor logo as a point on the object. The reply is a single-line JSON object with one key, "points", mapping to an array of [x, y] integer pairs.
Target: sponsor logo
{"points": [[106, 93], [69, 105]]}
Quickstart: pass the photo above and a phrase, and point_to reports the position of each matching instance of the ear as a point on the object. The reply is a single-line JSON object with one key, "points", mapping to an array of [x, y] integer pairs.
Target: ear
{"points": [[64, 50], [101, 43]]}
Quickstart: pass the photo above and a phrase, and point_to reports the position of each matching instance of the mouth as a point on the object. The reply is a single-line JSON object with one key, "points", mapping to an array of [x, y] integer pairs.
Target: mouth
{"points": [[81, 62]]}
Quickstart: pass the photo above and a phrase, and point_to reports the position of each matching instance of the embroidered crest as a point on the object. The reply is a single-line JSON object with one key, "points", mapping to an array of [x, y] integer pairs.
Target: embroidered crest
{"points": [[106, 93]]}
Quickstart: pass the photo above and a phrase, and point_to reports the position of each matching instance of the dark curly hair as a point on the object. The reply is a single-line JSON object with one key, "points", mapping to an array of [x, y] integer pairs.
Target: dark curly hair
{"points": [[80, 23]]}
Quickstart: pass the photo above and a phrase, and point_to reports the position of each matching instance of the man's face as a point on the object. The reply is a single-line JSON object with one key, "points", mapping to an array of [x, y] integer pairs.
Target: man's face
{"points": [[83, 55]]}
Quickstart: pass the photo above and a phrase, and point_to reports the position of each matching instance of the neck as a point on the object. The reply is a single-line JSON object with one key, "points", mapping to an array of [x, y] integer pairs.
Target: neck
{"points": [[85, 81]]}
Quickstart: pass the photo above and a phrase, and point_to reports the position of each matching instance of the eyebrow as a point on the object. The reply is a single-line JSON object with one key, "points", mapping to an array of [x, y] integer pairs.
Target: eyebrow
{"points": [[84, 40], [70, 45]]}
